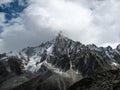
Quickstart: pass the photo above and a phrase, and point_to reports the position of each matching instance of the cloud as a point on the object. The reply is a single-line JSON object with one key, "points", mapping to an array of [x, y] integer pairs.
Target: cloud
{"points": [[61, 14], [1, 46], [88, 22], [18, 36], [2, 19], [41, 20], [5, 1], [106, 18]]}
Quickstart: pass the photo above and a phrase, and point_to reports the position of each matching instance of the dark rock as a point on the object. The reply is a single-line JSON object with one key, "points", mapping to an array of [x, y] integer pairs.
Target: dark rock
{"points": [[108, 80], [15, 65]]}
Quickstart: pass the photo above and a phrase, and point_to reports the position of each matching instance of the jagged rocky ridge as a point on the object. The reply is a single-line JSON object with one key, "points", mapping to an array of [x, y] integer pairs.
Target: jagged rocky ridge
{"points": [[68, 60], [65, 54]]}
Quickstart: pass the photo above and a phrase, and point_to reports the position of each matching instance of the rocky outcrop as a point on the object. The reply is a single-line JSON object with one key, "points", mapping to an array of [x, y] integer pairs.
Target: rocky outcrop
{"points": [[15, 65], [109, 80]]}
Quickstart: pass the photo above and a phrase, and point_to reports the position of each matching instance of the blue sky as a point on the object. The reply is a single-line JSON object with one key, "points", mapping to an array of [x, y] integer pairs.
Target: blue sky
{"points": [[12, 9]]}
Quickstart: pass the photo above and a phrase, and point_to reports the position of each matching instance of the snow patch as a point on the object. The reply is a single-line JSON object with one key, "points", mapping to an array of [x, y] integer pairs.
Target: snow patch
{"points": [[50, 49], [106, 52], [34, 64], [115, 64]]}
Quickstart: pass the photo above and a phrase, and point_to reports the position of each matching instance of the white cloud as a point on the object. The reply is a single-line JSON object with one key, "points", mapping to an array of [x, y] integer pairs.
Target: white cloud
{"points": [[5, 1], [18, 36], [69, 16], [2, 19], [106, 18], [1, 46], [42, 19]]}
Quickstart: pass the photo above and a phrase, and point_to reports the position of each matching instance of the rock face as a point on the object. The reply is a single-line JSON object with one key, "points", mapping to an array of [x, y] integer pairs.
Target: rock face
{"points": [[3, 71], [65, 54], [109, 80], [67, 60], [15, 65]]}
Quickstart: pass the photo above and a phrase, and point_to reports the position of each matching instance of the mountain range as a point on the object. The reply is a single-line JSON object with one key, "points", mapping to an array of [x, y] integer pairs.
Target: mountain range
{"points": [[59, 64]]}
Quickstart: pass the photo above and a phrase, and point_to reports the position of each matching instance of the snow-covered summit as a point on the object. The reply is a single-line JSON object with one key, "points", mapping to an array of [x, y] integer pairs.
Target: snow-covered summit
{"points": [[62, 53], [65, 54]]}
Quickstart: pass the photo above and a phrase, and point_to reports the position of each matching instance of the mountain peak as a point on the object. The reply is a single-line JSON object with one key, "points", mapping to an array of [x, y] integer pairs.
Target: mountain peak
{"points": [[61, 34], [61, 38]]}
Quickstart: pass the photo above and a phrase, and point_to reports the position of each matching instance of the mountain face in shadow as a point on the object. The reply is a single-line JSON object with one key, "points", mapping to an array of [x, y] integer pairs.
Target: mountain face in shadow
{"points": [[109, 80]]}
